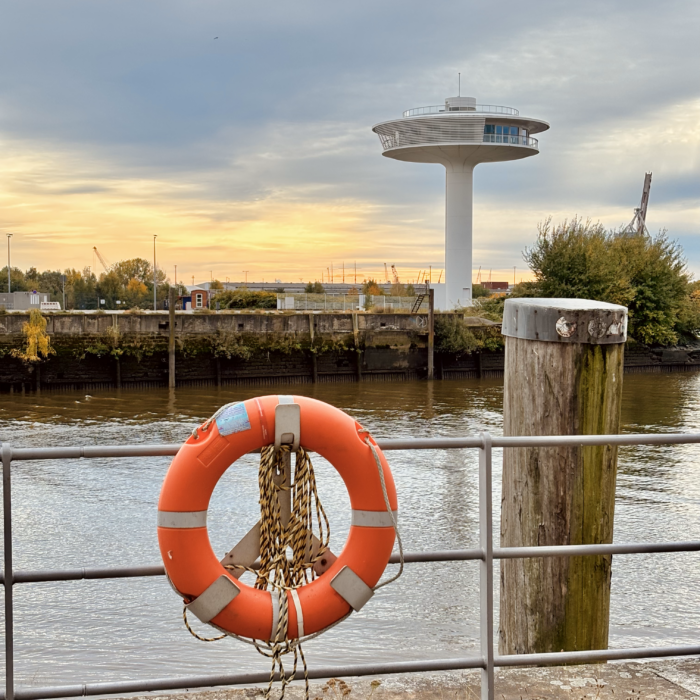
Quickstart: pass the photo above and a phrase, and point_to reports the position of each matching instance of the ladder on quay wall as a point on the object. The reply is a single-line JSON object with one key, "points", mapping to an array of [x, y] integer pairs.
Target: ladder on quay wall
{"points": [[419, 299], [417, 303]]}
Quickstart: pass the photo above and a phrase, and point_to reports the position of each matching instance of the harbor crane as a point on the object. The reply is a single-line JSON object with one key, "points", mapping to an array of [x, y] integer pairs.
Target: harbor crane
{"points": [[395, 274], [105, 264], [637, 226]]}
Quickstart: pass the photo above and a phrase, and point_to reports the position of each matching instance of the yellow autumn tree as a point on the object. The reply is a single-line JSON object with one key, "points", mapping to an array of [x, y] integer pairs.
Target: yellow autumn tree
{"points": [[38, 340]]}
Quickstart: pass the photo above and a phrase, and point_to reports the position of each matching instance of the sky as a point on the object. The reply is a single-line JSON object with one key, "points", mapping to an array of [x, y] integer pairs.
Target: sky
{"points": [[240, 133]]}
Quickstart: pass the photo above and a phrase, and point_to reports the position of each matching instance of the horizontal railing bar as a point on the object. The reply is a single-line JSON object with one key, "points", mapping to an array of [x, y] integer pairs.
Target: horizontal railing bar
{"points": [[350, 671], [78, 574], [538, 441], [242, 678], [442, 443], [139, 571], [408, 557], [445, 555], [568, 657], [24, 453], [573, 550], [592, 440]]}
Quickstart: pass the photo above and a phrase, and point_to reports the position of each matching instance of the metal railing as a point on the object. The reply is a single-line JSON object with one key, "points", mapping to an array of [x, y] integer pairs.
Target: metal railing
{"points": [[348, 302], [399, 139], [439, 109], [512, 140], [485, 555]]}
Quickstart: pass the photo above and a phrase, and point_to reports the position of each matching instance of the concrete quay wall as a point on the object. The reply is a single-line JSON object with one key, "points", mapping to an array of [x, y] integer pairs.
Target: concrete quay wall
{"points": [[107, 350], [130, 350]]}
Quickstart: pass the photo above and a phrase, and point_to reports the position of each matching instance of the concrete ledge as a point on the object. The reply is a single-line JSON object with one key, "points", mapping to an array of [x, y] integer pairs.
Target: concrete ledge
{"points": [[658, 680]]}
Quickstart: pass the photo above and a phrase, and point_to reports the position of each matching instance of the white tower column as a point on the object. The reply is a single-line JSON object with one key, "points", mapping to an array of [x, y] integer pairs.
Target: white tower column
{"points": [[458, 234]]}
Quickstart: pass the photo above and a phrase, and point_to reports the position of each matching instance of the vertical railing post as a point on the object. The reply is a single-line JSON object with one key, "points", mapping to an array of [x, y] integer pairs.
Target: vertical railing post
{"points": [[6, 452], [486, 567]]}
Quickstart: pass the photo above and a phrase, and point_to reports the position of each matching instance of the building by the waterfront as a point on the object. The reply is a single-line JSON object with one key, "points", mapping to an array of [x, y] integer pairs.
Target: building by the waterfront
{"points": [[296, 287], [23, 301]]}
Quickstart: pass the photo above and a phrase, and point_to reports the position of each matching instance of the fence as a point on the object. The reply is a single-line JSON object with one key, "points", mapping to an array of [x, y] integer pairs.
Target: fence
{"points": [[484, 555], [349, 302]]}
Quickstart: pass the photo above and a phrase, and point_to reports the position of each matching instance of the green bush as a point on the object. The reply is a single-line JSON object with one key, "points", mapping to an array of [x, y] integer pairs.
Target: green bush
{"points": [[246, 299], [648, 274], [453, 336]]}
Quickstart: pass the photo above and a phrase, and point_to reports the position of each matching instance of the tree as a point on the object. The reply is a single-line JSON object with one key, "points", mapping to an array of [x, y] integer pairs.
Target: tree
{"points": [[19, 283], [216, 285], [371, 287], [314, 288], [136, 294], [50, 282], [110, 289], [648, 274], [479, 291], [139, 269], [38, 340], [81, 289]]}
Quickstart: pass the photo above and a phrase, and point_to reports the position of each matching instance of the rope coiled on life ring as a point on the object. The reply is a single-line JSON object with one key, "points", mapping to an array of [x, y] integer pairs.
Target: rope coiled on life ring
{"points": [[277, 571], [279, 574]]}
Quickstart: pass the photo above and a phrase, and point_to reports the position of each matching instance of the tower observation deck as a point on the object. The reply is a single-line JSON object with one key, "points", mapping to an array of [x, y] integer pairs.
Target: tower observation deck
{"points": [[459, 135]]}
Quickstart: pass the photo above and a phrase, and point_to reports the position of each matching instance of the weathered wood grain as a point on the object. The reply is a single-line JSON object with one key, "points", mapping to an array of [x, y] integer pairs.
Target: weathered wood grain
{"points": [[557, 496]]}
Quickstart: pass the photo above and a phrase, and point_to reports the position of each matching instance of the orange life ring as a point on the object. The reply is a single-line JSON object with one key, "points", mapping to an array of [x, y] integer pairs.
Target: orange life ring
{"points": [[214, 595]]}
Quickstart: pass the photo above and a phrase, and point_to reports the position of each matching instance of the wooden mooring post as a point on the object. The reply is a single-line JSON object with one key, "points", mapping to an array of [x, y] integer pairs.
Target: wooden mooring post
{"points": [[314, 365], [172, 300], [563, 376], [431, 334]]}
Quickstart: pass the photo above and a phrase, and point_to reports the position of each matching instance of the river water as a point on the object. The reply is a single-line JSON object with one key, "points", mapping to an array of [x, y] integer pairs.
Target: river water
{"points": [[103, 512]]}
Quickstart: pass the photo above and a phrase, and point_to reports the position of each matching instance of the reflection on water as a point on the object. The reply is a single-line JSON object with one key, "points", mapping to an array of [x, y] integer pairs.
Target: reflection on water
{"points": [[102, 513]]}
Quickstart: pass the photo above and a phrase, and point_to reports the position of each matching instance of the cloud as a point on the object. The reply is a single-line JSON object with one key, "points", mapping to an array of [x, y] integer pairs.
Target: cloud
{"points": [[124, 119]]}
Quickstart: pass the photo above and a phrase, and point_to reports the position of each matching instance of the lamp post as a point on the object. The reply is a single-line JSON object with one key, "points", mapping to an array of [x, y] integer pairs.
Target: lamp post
{"points": [[155, 288], [9, 281]]}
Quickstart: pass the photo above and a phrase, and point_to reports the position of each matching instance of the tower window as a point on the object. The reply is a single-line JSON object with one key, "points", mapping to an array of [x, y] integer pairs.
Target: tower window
{"points": [[497, 133]]}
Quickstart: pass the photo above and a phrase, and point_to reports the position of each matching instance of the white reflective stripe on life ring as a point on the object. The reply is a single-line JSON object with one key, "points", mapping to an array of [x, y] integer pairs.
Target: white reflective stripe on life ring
{"points": [[275, 596], [351, 588], [214, 599], [373, 518], [300, 614], [182, 520]]}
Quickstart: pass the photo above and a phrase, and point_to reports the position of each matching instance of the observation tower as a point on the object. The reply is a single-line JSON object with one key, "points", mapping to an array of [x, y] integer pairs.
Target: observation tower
{"points": [[459, 135]]}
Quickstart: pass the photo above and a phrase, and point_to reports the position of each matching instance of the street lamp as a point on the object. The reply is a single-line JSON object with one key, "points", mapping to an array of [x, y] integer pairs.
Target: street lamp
{"points": [[155, 298], [9, 281]]}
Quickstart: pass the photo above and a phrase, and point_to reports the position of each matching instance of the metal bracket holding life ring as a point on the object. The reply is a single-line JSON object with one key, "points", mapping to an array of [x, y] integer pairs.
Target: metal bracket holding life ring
{"points": [[343, 584]]}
